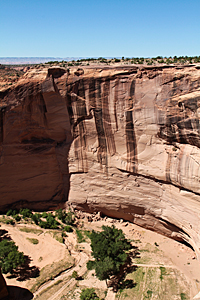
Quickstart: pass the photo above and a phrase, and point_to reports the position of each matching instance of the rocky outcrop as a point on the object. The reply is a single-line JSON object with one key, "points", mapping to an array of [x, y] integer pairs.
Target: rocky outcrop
{"points": [[124, 141]]}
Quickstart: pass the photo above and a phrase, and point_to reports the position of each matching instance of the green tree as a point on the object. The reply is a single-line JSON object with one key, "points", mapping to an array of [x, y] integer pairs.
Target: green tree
{"points": [[88, 294], [11, 212], [17, 218], [36, 218], [50, 223], [68, 228], [70, 218], [109, 249], [65, 217], [26, 213], [10, 257]]}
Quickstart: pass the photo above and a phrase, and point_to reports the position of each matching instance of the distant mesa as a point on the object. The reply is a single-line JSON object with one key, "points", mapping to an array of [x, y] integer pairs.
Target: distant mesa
{"points": [[32, 60]]}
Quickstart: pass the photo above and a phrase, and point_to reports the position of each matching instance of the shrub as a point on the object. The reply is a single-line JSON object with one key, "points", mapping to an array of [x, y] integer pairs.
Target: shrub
{"points": [[163, 272], [75, 275], [51, 223], [44, 214], [33, 241], [17, 218], [11, 212], [65, 217], [11, 222], [26, 213], [80, 236], [70, 218], [68, 228], [90, 264], [88, 294], [183, 296], [36, 218]]}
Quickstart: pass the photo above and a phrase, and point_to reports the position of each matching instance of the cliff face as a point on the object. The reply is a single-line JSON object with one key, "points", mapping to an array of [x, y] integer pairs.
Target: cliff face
{"points": [[124, 141]]}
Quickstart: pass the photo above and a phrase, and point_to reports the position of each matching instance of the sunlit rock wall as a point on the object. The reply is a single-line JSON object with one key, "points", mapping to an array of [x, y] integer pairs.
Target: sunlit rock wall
{"points": [[124, 141]]}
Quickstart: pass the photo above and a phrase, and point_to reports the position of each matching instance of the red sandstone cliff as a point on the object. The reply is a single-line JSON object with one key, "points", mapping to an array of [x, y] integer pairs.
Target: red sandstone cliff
{"points": [[124, 141]]}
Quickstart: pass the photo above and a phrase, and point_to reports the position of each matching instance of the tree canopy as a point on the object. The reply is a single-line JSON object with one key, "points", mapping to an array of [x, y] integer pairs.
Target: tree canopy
{"points": [[10, 257], [109, 249], [65, 217]]}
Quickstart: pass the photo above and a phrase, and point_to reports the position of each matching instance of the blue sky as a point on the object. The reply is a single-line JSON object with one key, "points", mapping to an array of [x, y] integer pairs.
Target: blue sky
{"points": [[109, 28]]}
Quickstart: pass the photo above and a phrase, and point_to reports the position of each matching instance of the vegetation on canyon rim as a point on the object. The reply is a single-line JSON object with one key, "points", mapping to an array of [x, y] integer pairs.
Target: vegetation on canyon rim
{"points": [[134, 60], [181, 60]]}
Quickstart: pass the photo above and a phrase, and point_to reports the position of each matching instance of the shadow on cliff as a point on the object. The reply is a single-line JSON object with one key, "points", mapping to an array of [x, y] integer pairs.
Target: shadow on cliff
{"points": [[18, 293], [26, 271]]}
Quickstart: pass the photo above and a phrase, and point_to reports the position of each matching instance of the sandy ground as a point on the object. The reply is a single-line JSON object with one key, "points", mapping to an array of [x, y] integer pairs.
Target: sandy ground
{"points": [[48, 250], [175, 254]]}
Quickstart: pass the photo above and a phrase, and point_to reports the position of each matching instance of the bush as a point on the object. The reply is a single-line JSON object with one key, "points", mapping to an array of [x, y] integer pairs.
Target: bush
{"points": [[75, 275], [10, 257], [183, 296], [65, 217], [70, 218], [60, 214], [44, 214], [17, 218], [11, 212], [68, 228], [51, 223], [80, 236], [90, 264], [88, 294], [26, 213], [162, 272], [33, 241], [36, 218], [11, 222]]}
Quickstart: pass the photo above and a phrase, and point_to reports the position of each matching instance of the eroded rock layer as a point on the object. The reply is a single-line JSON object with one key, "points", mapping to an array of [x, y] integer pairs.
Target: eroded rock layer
{"points": [[124, 141]]}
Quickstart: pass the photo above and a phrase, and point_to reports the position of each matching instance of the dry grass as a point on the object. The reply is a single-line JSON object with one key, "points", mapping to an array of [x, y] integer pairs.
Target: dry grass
{"points": [[51, 290], [31, 230], [33, 241]]}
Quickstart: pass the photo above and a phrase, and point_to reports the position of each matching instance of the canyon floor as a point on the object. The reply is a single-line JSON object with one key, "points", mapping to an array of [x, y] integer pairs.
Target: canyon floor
{"points": [[162, 268]]}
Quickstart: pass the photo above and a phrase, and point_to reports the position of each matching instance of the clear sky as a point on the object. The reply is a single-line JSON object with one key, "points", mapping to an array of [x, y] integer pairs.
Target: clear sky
{"points": [[85, 28]]}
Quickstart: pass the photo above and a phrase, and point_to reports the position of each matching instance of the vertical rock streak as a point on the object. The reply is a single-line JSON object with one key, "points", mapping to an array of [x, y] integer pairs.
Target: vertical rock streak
{"points": [[130, 133]]}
